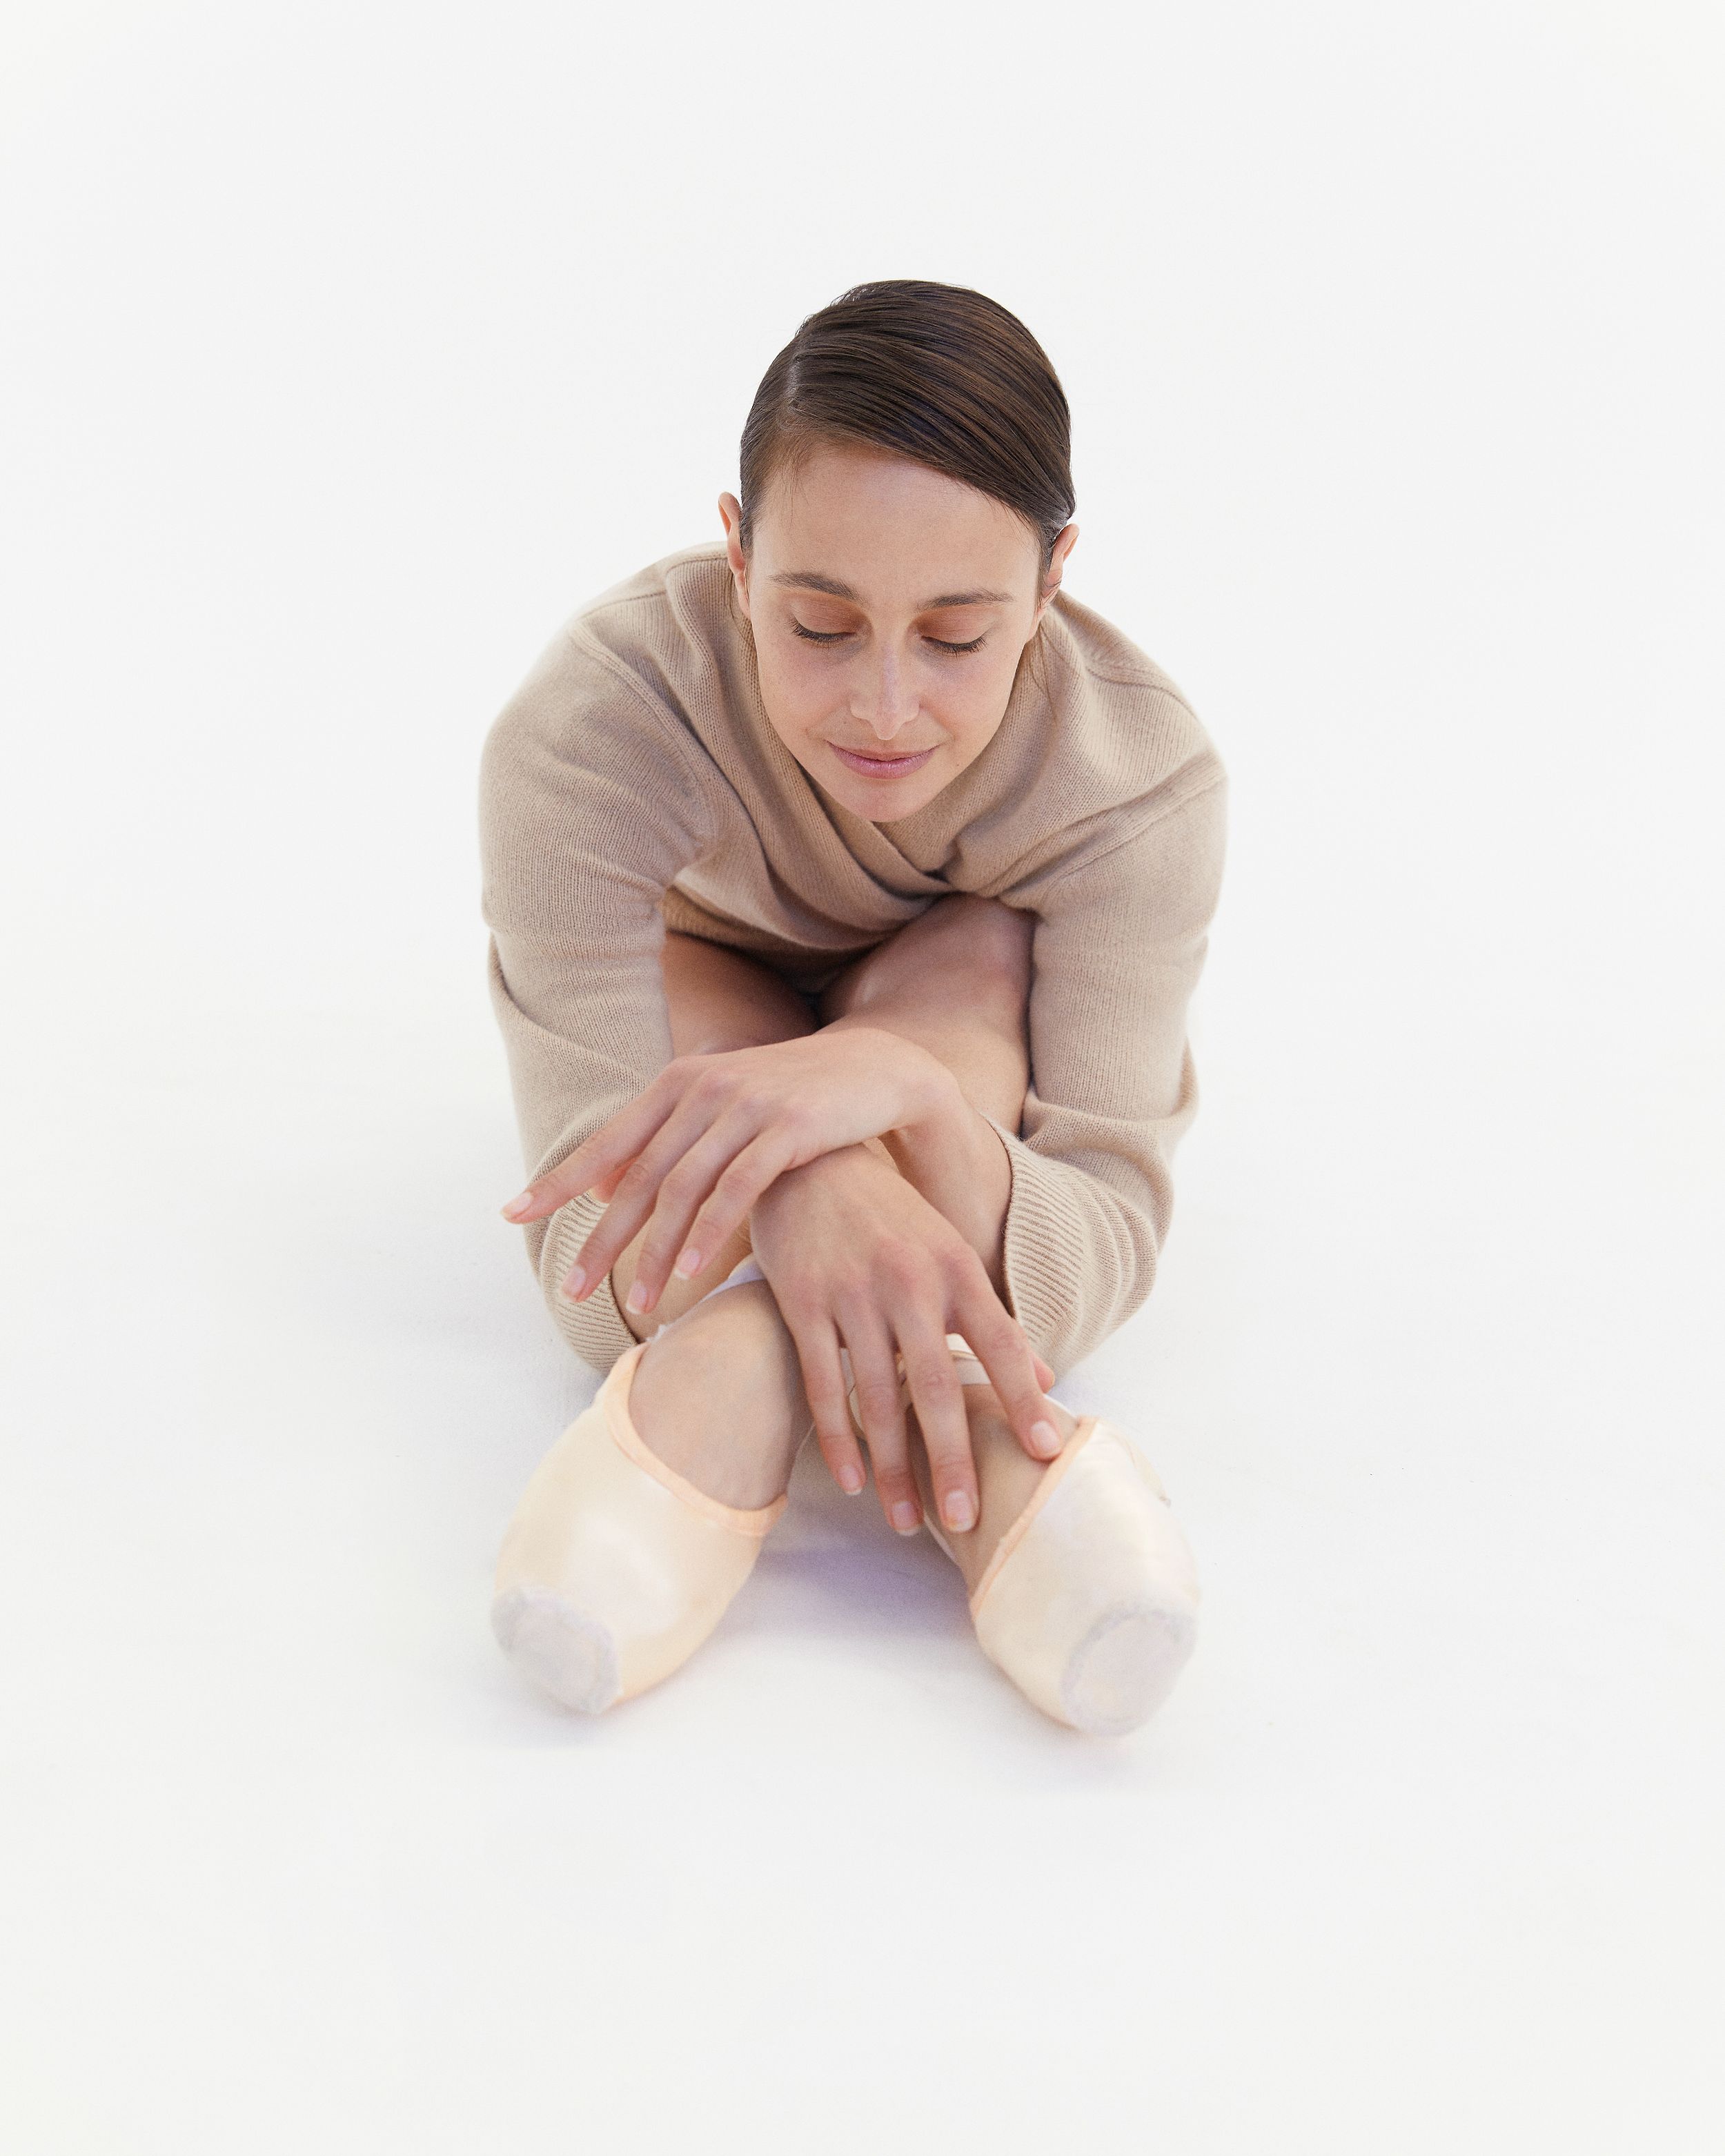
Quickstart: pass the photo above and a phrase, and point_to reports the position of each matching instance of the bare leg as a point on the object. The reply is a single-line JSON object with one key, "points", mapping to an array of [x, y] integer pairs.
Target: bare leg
{"points": [[1092, 1614], [956, 981], [718, 1000], [721, 1398]]}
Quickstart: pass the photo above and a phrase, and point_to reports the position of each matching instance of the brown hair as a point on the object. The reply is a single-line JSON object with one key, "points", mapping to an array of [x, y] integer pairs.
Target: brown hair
{"points": [[938, 373]]}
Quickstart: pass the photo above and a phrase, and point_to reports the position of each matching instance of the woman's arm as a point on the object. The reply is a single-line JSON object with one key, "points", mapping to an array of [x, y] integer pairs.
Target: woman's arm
{"points": [[1120, 944], [954, 1158], [1068, 1218], [865, 1269], [689, 1157], [589, 805]]}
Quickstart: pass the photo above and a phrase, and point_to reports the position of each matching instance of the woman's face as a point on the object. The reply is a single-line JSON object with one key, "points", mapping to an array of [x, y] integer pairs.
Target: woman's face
{"points": [[889, 604]]}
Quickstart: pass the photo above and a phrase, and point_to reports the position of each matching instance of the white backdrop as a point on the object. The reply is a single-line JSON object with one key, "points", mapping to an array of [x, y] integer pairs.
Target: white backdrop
{"points": [[346, 348]]}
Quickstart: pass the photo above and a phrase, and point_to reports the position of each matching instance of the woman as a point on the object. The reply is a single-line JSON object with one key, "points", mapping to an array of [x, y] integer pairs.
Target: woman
{"points": [[847, 884]]}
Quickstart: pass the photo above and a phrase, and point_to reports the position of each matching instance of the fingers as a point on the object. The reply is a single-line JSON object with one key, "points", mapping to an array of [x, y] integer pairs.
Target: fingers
{"points": [[941, 1417], [999, 1345], [823, 1382], [632, 1202], [882, 1408], [596, 1159], [696, 1181], [715, 1183], [747, 1177], [665, 1184]]}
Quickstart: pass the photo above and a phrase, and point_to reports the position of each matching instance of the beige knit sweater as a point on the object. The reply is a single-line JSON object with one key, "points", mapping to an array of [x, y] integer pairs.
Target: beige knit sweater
{"points": [[633, 783]]}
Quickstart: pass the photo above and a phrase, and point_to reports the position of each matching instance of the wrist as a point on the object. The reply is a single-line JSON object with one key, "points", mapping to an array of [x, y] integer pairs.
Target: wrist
{"points": [[929, 1093], [937, 1103], [867, 1154], [941, 1120]]}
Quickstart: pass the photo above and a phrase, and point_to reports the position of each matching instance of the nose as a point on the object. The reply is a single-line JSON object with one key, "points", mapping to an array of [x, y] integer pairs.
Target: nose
{"points": [[884, 700]]}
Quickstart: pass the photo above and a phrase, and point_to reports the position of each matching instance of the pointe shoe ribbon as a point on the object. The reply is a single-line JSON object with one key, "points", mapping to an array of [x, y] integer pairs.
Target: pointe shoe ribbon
{"points": [[614, 1567]]}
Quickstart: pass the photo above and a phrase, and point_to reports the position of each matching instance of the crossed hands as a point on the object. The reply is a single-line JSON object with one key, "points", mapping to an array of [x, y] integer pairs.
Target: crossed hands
{"points": [[855, 1255]]}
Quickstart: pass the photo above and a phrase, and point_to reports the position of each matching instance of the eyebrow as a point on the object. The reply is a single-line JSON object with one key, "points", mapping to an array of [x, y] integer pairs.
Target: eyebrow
{"points": [[811, 580]]}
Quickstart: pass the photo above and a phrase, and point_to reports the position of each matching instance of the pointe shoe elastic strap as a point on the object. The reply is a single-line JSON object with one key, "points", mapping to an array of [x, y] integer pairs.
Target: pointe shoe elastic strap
{"points": [[970, 1372]]}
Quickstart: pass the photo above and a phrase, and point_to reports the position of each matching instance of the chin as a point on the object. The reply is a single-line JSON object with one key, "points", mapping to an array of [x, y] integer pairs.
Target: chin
{"points": [[884, 804]]}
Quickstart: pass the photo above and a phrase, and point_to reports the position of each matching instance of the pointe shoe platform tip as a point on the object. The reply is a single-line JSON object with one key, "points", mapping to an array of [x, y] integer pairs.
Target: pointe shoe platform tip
{"points": [[562, 1650], [614, 1568], [1091, 1603]]}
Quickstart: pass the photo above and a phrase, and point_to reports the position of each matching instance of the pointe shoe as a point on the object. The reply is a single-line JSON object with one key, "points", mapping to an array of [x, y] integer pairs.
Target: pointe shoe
{"points": [[614, 1568], [1090, 1601]]}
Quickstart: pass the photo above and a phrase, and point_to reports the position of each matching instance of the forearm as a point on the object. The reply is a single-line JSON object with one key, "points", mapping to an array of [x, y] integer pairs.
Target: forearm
{"points": [[945, 1149], [955, 1159]]}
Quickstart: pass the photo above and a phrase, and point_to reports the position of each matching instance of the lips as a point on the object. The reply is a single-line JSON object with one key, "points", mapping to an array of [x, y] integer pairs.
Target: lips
{"points": [[880, 767]]}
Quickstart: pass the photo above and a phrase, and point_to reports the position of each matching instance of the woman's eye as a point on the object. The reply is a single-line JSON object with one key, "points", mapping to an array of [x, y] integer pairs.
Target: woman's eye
{"points": [[838, 635]]}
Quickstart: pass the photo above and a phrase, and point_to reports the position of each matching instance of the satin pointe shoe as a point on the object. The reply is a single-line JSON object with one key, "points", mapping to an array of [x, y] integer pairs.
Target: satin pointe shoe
{"points": [[1090, 1601], [614, 1569]]}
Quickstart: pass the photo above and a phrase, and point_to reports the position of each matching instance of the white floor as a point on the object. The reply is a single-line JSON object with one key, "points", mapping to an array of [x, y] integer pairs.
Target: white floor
{"points": [[1424, 1855]]}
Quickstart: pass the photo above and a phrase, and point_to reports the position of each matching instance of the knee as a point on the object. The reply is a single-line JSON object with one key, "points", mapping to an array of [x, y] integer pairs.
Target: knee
{"points": [[971, 952], [1002, 937], [981, 950]]}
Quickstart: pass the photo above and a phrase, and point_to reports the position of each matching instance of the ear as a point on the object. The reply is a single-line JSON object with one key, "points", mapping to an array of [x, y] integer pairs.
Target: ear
{"points": [[1062, 548], [731, 510]]}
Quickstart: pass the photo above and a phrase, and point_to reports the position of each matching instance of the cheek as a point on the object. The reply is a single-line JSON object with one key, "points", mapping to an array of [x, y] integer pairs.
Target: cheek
{"points": [[973, 699], [797, 694]]}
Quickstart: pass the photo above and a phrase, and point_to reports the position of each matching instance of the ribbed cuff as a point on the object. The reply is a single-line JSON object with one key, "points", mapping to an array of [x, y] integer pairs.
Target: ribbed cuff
{"points": [[1045, 1230], [593, 1328]]}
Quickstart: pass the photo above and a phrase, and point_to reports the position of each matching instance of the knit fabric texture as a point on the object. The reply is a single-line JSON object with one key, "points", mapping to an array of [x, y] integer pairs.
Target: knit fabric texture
{"points": [[633, 783]]}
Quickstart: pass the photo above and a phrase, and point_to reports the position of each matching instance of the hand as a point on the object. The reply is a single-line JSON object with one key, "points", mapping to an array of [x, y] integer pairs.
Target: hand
{"points": [[712, 1132], [855, 1255]]}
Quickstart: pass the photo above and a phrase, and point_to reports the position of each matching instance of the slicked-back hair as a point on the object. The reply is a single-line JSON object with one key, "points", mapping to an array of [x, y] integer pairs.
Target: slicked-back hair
{"points": [[938, 373]]}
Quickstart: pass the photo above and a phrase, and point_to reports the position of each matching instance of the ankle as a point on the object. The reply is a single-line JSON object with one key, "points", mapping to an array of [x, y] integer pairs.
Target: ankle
{"points": [[718, 1397], [1008, 1479]]}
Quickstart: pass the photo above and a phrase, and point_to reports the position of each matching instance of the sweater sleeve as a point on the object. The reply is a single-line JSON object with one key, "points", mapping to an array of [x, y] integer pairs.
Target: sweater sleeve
{"points": [[590, 803], [1119, 944]]}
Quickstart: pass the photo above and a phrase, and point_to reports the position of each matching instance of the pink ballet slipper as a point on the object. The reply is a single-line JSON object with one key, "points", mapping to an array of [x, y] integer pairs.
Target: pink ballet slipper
{"points": [[615, 1568], [1090, 1601]]}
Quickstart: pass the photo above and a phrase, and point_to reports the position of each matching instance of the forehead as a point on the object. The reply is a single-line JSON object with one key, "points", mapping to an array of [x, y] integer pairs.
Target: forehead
{"points": [[865, 519]]}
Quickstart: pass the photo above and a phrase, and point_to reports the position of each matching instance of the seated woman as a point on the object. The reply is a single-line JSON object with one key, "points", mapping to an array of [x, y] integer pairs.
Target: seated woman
{"points": [[847, 884]]}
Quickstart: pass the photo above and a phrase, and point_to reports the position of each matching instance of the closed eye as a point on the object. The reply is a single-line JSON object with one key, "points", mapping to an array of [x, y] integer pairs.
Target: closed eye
{"points": [[838, 635]]}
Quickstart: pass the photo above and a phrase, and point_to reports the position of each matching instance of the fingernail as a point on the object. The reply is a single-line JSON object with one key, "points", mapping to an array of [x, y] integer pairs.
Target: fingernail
{"points": [[576, 1281], [904, 1518], [960, 1512], [637, 1297], [690, 1262], [1046, 1438], [851, 1481], [518, 1205]]}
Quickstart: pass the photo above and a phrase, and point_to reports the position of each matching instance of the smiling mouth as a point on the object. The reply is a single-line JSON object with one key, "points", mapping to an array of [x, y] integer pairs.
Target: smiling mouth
{"points": [[859, 760]]}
